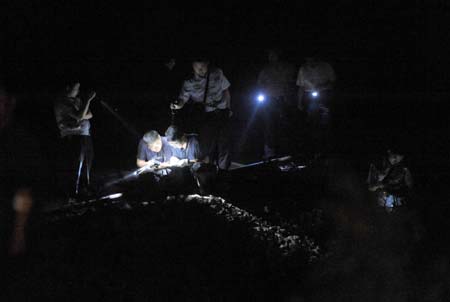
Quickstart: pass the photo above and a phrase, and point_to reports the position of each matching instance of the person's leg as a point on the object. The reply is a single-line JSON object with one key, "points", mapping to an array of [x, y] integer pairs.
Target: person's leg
{"points": [[224, 142], [89, 157], [269, 120], [205, 176], [208, 138], [71, 157]]}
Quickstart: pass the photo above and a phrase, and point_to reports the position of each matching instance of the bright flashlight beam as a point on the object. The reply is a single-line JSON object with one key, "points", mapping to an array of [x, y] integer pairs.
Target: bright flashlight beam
{"points": [[261, 98], [113, 196], [315, 94]]}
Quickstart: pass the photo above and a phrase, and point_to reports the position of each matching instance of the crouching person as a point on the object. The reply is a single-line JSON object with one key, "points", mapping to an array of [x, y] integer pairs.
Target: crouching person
{"points": [[186, 153], [390, 180]]}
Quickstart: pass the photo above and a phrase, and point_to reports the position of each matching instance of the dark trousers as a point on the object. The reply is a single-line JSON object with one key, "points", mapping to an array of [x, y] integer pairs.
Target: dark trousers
{"points": [[215, 138], [279, 125], [78, 155], [271, 115], [318, 119]]}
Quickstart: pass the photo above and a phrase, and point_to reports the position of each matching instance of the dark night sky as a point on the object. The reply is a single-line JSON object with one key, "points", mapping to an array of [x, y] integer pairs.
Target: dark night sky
{"points": [[391, 45]]}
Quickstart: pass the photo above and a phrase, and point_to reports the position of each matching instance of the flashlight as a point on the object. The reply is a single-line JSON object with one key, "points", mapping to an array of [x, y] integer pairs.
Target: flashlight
{"points": [[261, 98], [314, 94]]}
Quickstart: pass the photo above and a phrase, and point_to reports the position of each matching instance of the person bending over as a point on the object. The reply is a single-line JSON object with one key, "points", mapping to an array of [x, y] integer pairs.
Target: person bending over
{"points": [[153, 150]]}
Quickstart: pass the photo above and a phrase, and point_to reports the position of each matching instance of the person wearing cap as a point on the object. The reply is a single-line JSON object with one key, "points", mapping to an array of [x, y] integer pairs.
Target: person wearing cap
{"points": [[209, 88]]}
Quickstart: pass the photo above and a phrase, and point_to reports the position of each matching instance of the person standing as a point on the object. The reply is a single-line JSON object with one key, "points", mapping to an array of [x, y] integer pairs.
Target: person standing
{"points": [[73, 121], [275, 81], [210, 88]]}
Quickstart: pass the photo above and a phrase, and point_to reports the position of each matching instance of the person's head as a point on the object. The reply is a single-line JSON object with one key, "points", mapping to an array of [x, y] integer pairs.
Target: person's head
{"points": [[73, 90], [273, 55], [200, 66], [153, 140], [394, 157], [175, 137]]}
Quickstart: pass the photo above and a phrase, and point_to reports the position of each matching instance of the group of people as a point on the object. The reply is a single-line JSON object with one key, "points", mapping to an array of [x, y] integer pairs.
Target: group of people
{"points": [[207, 87]]}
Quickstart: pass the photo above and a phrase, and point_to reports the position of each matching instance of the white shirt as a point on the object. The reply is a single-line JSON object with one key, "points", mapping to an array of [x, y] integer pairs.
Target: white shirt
{"points": [[194, 89], [316, 75]]}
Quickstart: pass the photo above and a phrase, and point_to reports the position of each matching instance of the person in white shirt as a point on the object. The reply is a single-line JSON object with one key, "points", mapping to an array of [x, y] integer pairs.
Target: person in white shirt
{"points": [[209, 87]]}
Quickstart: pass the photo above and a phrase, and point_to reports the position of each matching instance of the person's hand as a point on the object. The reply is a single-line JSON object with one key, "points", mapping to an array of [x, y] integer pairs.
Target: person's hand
{"points": [[176, 105], [175, 161], [150, 163], [183, 162], [88, 116]]}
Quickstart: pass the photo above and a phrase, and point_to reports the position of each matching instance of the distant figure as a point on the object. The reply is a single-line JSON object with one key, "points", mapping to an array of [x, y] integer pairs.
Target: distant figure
{"points": [[276, 83], [209, 88], [316, 81], [391, 181], [72, 118]]}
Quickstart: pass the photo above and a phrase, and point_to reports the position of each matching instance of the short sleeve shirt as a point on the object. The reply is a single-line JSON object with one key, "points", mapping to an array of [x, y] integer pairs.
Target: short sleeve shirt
{"points": [[144, 153], [64, 108], [192, 150], [194, 89]]}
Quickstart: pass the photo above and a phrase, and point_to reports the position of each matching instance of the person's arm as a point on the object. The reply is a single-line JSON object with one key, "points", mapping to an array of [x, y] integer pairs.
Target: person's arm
{"points": [[142, 163], [85, 112], [227, 98], [142, 156], [183, 97], [88, 116], [373, 179]]}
